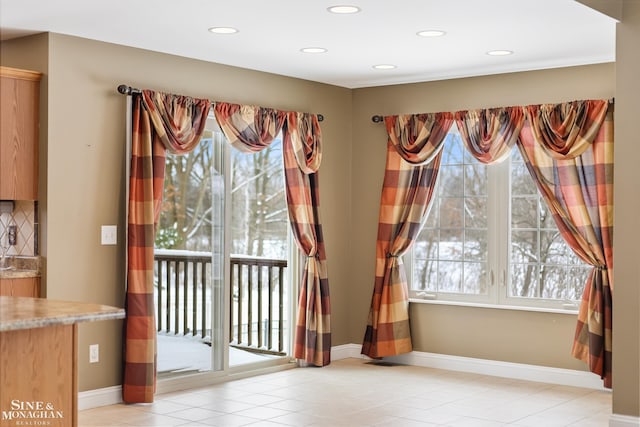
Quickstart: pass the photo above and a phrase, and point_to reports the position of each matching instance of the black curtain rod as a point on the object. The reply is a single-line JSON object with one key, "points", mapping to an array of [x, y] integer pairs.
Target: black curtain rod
{"points": [[379, 119], [128, 90]]}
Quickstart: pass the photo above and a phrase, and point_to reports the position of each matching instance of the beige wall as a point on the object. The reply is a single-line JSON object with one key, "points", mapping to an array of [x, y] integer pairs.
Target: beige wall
{"points": [[507, 335], [626, 298]]}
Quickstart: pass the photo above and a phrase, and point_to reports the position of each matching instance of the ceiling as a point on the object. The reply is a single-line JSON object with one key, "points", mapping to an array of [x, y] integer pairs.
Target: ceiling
{"points": [[541, 34]]}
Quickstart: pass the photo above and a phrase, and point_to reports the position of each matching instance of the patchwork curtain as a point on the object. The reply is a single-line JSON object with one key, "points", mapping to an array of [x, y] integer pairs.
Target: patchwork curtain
{"points": [[251, 129], [159, 121], [414, 150], [568, 149], [489, 135]]}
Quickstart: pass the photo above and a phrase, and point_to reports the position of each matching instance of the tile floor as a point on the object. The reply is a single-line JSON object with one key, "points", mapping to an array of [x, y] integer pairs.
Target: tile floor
{"points": [[355, 392]]}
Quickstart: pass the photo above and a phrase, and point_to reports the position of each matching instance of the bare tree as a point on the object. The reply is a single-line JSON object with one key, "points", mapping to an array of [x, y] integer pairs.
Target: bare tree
{"points": [[185, 220], [259, 212]]}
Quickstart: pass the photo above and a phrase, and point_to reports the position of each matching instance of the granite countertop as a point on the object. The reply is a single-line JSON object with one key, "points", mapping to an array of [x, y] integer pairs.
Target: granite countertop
{"points": [[18, 274], [20, 267], [27, 313]]}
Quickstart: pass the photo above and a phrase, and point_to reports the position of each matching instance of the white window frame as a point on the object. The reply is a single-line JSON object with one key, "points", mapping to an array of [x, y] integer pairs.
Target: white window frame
{"points": [[498, 258]]}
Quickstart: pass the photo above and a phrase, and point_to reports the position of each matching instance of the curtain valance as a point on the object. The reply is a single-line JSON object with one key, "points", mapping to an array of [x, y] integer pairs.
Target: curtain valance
{"points": [[564, 129]]}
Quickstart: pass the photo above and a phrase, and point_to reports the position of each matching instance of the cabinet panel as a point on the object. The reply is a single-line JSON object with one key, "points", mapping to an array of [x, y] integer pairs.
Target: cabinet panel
{"points": [[22, 287], [39, 365], [19, 134]]}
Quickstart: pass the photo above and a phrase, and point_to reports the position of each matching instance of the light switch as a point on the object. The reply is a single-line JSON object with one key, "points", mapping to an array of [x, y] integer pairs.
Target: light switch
{"points": [[109, 235]]}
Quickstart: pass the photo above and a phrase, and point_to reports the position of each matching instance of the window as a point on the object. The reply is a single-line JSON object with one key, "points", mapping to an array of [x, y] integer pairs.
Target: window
{"points": [[489, 238], [260, 222]]}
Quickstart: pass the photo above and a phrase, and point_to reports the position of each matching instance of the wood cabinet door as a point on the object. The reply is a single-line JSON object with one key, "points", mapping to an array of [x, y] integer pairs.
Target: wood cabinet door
{"points": [[22, 287], [19, 92]]}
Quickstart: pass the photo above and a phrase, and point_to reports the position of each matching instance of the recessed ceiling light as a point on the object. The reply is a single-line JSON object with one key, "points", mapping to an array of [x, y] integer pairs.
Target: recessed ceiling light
{"points": [[384, 67], [223, 30], [313, 50], [500, 52], [343, 9], [431, 33]]}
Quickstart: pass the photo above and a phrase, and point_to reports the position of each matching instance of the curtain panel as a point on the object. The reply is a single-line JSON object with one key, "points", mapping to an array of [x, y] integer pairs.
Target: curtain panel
{"points": [[302, 156], [573, 171], [251, 129], [159, 122], [414, 150]]}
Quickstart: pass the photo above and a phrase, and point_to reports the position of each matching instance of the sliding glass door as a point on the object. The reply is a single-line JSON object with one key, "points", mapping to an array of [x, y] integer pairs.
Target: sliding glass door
{"points": [[222, 291]]}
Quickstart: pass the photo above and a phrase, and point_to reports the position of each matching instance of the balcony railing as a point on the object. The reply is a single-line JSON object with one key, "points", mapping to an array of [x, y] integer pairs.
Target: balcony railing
{"points": [[183, 285]]}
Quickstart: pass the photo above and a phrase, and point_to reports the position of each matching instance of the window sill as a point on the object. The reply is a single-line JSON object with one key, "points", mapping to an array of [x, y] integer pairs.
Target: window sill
{"points": [[495, 306]]}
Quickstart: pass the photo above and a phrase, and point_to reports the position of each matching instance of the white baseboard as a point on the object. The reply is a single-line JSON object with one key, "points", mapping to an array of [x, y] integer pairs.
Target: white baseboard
{"points": [[623, 421], [99, 397], [518, 371], [347, 351]]}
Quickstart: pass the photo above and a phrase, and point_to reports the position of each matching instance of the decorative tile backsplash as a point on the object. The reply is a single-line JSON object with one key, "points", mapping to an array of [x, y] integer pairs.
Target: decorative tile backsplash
{"points": [[24, 218]]}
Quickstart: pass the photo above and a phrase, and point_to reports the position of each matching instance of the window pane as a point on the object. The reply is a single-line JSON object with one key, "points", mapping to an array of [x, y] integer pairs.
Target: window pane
{"points": [[475, 212], [433, 215], [524, 280], [521, 181], [425, 275], [554, 279], [450, 245], [451, 212], [546, 219], [524, 212], [475, 183], [524, 246], [426, 246], [475, 278], [475, 245], [449, 277], [451, 182], [553, 249], [452, 150]]}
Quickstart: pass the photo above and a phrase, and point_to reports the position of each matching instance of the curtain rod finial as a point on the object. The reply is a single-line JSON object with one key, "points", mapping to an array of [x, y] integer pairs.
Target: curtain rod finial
{"points": [[377, 119], [127, 90]]}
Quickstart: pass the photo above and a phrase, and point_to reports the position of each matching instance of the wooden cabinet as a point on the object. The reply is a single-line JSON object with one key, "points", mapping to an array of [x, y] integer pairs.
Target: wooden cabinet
{"points": [[39, 365], [20, 287], [19, 93], [39, 359]]}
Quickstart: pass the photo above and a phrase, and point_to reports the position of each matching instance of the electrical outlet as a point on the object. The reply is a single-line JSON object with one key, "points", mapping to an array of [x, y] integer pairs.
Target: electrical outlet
{"points": [[94, 353], [12, 236]]}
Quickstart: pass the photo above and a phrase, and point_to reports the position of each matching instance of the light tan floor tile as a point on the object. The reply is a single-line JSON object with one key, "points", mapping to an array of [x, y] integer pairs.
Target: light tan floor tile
{"points": [[227, 406], [298, 419], [154, 420], [228, 420], [195, 414], [353, 392], [262, 413]]}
